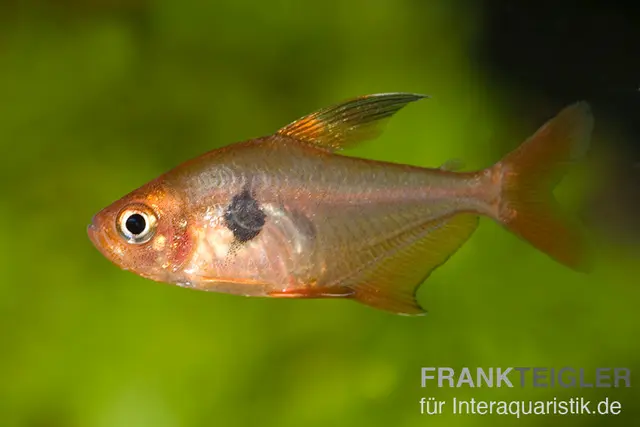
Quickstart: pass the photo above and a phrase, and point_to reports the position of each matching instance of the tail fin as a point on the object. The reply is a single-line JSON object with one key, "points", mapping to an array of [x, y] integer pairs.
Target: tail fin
{"points": [[529, 174]]}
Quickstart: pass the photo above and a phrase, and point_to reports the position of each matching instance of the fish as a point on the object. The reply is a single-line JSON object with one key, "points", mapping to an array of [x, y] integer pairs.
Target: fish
{"points": [[289, 216]]}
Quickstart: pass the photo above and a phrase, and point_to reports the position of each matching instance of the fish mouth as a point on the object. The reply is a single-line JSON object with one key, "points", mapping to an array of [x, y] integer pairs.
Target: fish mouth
{"points": [[92, 232], [99, 239]]}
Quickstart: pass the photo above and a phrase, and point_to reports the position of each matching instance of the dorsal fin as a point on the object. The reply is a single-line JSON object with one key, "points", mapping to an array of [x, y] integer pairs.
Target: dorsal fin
{"points": [[350, 122], [452, 165]]}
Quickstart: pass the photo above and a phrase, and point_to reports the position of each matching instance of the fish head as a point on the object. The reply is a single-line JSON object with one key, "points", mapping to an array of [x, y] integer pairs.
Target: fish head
{"points": [[146, 232]]}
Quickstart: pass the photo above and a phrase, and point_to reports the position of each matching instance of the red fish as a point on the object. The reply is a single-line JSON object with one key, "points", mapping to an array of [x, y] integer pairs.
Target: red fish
{"points": [[285, 216]]}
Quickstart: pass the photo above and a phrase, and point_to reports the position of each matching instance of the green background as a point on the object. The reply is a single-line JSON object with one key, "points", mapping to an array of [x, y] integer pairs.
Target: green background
{"points": [[99, 97]]}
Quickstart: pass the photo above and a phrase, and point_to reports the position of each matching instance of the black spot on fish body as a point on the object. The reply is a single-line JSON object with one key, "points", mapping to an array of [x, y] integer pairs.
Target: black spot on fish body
{"points": [[244, 217]]}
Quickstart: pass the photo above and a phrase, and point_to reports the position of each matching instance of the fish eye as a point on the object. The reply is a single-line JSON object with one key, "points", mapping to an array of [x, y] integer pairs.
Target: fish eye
{"points": [[137, 224]]}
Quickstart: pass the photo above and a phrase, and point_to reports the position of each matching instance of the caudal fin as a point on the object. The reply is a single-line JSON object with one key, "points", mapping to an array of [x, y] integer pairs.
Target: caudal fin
{"points": [[529, 174]]}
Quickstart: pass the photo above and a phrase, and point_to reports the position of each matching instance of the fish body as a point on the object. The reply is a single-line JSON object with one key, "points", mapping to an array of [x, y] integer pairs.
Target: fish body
{"points": [[286, 216]]}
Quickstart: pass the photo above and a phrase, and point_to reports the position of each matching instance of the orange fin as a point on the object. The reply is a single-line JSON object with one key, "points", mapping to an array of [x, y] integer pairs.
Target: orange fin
{"points": [[350, 122], [391, 284], [530, 173], [333, 292]]}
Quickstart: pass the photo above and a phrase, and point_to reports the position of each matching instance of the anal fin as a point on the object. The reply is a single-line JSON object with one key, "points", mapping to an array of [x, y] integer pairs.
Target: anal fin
{"points": [[392, 281], [314, 292]]}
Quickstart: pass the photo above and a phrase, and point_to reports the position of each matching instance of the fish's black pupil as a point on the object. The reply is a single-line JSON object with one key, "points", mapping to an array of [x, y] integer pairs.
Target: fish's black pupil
{"points": [[135, 224]]}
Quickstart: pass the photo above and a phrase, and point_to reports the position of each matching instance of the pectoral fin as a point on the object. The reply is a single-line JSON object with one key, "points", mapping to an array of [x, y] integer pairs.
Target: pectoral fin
{"points": [[392, 282], [350, 122]]}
